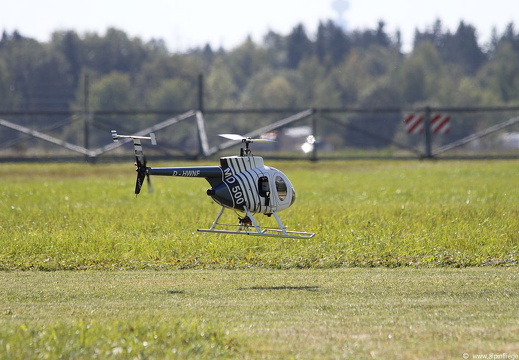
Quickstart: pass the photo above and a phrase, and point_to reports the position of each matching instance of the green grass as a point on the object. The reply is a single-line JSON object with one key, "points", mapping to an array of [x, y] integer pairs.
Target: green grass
{"points": [[151, 286], [365, 213], [405, 313]]}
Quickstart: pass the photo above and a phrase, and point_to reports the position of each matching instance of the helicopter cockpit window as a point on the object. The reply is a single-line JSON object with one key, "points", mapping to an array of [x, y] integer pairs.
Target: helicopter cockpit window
{"points": [[281, 187]]}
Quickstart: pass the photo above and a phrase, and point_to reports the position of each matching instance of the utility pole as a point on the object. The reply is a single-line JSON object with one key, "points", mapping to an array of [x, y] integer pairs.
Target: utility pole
{"points": [[86, 112]]}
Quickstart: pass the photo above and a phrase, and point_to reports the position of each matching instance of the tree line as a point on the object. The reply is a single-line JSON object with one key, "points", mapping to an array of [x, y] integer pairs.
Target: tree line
{"points": [[331, 68]]}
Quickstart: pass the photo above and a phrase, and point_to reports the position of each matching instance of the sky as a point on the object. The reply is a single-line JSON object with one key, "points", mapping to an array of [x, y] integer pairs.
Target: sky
{"points": [[185, 24]]}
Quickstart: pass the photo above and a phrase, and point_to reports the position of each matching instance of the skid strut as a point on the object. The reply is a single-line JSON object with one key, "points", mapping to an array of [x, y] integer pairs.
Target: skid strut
{"points": [[249, 226]]}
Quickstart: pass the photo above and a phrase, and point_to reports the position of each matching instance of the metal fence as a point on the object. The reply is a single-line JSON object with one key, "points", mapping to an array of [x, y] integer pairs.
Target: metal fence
{"points": [[313, 133]]}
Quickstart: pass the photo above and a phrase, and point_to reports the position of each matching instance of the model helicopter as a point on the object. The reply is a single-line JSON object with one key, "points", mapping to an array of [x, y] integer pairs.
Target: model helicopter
{"points": [[242, 183]]}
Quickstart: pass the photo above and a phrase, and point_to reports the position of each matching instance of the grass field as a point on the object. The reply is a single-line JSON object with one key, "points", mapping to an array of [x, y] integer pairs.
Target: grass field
{"points": [[404, 313], [364, 213], [174, 292]]}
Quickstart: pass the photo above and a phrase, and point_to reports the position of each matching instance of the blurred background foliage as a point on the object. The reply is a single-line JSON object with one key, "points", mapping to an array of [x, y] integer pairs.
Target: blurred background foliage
{"points": [[331, 68]]}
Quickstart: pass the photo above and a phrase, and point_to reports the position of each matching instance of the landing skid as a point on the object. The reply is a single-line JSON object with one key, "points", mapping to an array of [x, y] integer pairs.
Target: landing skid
{"points": [[251, 227]]}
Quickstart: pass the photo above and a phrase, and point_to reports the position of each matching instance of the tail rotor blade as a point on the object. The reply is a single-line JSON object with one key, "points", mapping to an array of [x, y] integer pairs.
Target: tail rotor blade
{"points": [[140, 162], [140, 180], [140, 159], [150, 186]]}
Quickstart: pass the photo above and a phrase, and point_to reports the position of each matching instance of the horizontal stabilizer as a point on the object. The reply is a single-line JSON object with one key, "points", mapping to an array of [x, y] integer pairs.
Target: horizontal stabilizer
{"points": [[116, 137]]}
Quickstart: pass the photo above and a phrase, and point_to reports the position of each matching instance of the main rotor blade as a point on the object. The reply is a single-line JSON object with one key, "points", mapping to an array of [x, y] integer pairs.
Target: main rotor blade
{"points": [[232, 136], [241, 138], [261, 140]]}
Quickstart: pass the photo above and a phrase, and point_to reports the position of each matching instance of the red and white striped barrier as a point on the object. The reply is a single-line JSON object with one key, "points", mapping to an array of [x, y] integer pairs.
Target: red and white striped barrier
{"points": [[440, 123]]}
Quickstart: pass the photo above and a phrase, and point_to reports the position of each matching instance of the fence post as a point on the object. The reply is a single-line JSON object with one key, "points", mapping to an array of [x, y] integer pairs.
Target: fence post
{"points": [[200, 122], [427, 132], [314, 133], [86, 112], [201, 92]]}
